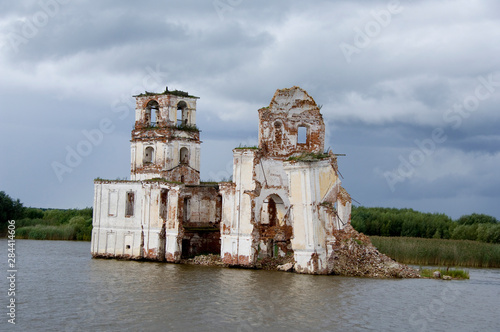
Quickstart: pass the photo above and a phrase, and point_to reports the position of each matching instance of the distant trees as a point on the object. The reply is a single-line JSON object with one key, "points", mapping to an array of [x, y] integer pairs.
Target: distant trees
{"points": [[410, 223], [484, 232], [76, 224], [9, 209], [476, 219], [55, 224], [45, 224]]}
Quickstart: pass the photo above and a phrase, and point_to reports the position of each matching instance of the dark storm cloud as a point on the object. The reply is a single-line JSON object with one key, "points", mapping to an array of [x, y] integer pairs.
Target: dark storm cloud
{"points": [[397, 88]]}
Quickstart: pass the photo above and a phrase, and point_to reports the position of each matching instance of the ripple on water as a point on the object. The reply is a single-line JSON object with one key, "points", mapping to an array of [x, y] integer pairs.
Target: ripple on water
{"points": [[62, 288]]}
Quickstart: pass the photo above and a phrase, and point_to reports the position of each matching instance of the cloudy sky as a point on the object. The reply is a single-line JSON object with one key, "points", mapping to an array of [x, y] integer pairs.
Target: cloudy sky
{"points": [[409, 90]]}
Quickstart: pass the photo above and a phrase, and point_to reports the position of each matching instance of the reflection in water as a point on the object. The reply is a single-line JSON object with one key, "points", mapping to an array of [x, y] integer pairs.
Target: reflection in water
{"points": [[62, 288]]}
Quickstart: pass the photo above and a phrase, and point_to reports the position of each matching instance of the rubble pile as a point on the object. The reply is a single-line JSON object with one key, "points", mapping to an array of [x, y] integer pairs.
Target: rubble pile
{"points": [[354, 255], [284, 263], [207, 260]]}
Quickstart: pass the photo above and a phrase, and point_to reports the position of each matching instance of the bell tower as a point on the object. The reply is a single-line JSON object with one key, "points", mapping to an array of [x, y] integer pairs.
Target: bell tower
{"points": [[165, 140]]}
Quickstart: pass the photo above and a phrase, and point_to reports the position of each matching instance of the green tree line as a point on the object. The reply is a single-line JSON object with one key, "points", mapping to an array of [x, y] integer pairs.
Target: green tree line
{"points": [[407, 222], [76, 224], [45, 224]]}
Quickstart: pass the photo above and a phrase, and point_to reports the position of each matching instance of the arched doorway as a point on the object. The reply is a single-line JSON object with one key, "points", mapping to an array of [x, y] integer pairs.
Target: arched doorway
{"points": [[273, 211], [275, 231]]}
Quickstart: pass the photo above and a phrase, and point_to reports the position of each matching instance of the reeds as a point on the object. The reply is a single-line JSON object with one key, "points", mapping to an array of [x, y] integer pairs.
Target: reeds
{"points": [[78, 228], [46, 232], [453, 273], [439, 252]]}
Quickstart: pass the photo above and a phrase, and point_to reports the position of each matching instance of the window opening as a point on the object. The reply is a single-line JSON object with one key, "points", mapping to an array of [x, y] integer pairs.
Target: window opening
{"points": [[182, 113], [184, 156], [129, 209], [164, 204], [187, 209], [152, 110], [302, 135], [273, 216], [148, 155], [277, 133]]}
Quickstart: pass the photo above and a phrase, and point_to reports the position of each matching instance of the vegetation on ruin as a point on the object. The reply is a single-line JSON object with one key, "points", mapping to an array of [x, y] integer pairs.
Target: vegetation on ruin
{"points": [[162, 180], [124, 179], [186, 127], [243, 147], [178, 93], [147, 180], [209, 182], [182, 127], [309, 156], [439, 252]]}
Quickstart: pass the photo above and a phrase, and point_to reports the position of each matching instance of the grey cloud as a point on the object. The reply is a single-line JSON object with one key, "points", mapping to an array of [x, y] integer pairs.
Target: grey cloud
{"points": [[393, 92]]}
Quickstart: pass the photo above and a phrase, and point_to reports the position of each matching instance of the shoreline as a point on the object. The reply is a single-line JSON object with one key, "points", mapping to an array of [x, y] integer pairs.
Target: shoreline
{"points": [[404, 258], [352, 254]]}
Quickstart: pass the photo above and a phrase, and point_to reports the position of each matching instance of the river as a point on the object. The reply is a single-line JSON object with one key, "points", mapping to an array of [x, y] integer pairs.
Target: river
{"points": [[59, 287]]}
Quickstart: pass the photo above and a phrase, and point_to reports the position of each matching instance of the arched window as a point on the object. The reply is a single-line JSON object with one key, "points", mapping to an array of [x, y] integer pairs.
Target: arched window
{"points": [[184, 156], [148, 155], [152, 110], [182, 118], [273, 211]]}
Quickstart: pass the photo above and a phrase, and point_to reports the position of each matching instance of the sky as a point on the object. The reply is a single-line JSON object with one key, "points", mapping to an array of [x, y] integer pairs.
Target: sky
{"points": [[409, 91]]}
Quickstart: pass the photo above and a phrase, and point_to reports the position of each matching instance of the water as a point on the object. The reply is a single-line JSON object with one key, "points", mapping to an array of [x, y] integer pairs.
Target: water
{"points": [[60, 288]]}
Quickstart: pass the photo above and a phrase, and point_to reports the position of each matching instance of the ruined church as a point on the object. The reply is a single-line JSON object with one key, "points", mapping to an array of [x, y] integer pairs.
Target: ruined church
{"points": [[285, 197]]}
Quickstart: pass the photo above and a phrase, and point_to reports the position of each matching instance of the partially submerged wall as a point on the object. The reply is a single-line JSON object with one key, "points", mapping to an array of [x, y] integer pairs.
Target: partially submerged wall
{"points": [[155, 220], [136, 220], [200, 219], [286, 197]]}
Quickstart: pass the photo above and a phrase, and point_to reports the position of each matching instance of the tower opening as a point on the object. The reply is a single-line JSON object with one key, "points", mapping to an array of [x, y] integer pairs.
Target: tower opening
{"points": [[184, 156], [182, 118], [152, 113], [148, 155]]}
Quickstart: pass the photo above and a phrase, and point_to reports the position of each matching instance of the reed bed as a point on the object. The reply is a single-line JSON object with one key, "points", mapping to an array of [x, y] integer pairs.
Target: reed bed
{"points": [[453, 273], [439, 252], [48, 232]]}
